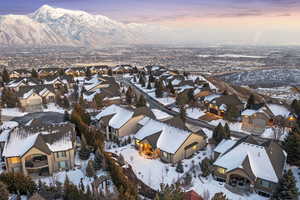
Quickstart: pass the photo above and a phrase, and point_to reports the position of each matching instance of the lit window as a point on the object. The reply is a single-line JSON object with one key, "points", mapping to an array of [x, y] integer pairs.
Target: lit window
{"points": [[14, 160], [194, 147], [221, 170]]}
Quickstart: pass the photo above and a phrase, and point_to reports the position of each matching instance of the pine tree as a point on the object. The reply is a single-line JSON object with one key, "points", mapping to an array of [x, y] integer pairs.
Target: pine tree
{"points": [[170, 87], [182, 113], [90, 170], [5, 76], [206, 167], [4, 194], [291, 145], [84, 153], [129, 95], [232, 113], [159, 89], [110, 72], [142, 81], [226, 132], [66, 116], [190, 95], [219, 196], [141, 102], [172, 192], [250, 102], [34, 73], [98, 160], [134, 79], [218, 134], [98, 100], [88, 73], [287, 188], [149, 86], [66, 102], [179, 167]]}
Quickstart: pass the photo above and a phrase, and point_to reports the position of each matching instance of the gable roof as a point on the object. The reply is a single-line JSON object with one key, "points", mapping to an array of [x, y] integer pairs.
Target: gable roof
{"points": [[145, 111], [253, 158]]}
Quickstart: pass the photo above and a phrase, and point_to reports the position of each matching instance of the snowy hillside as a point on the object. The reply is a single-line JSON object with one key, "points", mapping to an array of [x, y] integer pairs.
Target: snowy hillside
{"points": [[264, 78], [56, 26]]}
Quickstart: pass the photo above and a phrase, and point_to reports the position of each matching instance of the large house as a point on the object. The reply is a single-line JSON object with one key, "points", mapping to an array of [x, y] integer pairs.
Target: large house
{"points": [[262, 116], [249, 166], [220, 104], [156, 139], [117, 121], [36, 95], [19, 73], [40, 149]]}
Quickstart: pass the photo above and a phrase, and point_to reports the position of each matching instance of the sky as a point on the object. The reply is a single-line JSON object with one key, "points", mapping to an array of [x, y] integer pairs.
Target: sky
{"points": [[254, 22]]}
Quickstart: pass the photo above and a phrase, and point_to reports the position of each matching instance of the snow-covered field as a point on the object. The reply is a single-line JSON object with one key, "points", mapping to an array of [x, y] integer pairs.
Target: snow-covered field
{"points": [[154, 172], [194, 113]]}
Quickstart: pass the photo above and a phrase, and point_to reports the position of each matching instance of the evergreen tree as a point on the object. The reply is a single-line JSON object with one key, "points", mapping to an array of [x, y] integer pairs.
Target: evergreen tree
{"points": [[4, 194], [110, 72], [61, 72], [84, 153], [173, 192], [295, 105], [232, 113], [134, 79], [182, 113], [141, 102], [98, 160], [98, 100], [5, 76], [219, 196], [151, 78], [159, 89], [34, 73], [129, 95], [170, 87], [291, 145], [90, 170], [88, 73], [142, 81], [9, 98], [226, 132], [206, 167], [250, 102], [66, 116], [287, 188], [181, 99], [66, 102], [218, 134], [190, 95], [149, 85], [179, 167]]}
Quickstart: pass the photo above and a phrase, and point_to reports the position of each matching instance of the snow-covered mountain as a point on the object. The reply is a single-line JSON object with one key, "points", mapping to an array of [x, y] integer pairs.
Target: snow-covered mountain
{"points": [[56, 26]]}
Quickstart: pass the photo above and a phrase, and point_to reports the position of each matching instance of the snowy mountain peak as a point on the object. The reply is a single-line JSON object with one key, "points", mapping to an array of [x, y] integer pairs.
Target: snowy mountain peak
{"points": [[58, 26]]}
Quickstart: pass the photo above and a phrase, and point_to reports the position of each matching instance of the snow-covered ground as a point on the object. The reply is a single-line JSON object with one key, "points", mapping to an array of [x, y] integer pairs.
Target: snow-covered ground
{"points": [[154, 172], [52, 107], [12, 112], [194, 113]]}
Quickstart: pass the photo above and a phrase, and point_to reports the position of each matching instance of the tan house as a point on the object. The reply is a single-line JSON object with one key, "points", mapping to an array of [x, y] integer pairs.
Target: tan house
{"points": [[221, 104], [19, 73], [117, 121], [247, 166], [37, 149], [36, 95], [171, 144]]}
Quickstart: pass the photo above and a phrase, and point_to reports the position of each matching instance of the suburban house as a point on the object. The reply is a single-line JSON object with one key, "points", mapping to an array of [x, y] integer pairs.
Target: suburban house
{"points": [[49, 71], [221, 104], [76, 71], [19, 73], [37, 149], [156, 139], [36, 95], [19, 82], [117, 121], [246, 165], [121, 69], [99, 69], [262, 116]]}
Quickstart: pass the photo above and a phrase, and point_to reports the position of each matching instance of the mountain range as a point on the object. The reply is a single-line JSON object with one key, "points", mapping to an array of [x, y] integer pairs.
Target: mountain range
{"points": [[57, 26]]}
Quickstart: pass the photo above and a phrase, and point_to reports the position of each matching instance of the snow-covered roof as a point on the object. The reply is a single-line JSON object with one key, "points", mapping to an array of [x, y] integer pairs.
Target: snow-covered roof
{"points": [[248, 112], [279, 110], [176, 82], [120, 115], [91, 86], [211, 97], [259, 160], [28, 94], [170, 139], [224, 145], [160, 115]]}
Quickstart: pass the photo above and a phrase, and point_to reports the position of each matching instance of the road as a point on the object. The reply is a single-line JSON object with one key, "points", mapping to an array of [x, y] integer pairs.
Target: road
{"points": [[201, 123]]}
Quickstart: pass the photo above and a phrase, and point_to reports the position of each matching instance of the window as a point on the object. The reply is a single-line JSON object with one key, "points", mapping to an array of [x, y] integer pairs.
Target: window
{"points": [[265, 184], [221, 170], [14, 160], [61, 154], [62, 165]]}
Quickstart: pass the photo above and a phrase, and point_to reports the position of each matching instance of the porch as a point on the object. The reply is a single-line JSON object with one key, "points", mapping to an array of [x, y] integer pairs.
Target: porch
{"points": [[37, 165]]}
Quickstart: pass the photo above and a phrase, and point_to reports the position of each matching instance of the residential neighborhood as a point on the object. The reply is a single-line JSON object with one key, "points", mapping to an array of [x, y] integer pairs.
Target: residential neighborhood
{"points": [[149, 128]]}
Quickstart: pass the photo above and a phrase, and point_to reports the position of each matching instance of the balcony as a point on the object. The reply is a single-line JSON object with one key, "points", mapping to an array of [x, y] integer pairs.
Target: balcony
{"points": [[37, 162]]}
